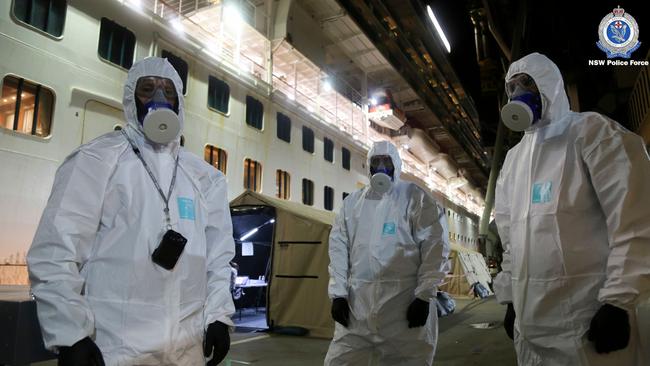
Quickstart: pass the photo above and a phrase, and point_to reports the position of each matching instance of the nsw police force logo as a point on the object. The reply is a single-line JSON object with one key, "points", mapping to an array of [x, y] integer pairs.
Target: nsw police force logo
{"points": [[618, 34]]}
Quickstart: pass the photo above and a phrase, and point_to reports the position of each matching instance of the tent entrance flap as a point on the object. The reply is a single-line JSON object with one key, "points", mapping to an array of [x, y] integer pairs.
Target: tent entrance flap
{"points": [[253, 228]]}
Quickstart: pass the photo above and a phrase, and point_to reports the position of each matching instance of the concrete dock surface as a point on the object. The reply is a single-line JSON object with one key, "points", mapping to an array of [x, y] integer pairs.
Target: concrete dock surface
{"points": [[473, 335]]}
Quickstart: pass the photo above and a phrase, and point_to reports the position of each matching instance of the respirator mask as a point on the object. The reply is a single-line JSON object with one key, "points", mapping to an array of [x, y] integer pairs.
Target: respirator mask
{"points": [[157, 108], [381, 173], [525, 105]]}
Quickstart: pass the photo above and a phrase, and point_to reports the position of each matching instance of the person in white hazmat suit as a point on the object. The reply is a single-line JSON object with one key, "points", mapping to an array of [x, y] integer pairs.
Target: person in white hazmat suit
{"points": [[388, 252], [573, 213], [129, 264]]}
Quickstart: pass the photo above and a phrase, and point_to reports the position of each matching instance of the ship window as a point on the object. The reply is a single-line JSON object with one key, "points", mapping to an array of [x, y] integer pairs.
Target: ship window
{"points": [[345, 158], [116, 43], [284, 127], [329, 198], [218, 94], [45, 15], [254, 112], [308, 139], [26, 107], [283, 184], [252, 175], [345, 194], [180, 66], [329, 149], [307, 192], [216, 157]]}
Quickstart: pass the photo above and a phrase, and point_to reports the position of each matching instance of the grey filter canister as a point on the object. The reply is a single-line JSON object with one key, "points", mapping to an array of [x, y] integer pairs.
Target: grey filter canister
{"points": [[161, 125], [380, 183], [517, 115]]}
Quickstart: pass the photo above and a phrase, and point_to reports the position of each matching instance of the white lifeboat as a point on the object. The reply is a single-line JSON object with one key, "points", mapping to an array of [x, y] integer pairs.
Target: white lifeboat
{"points": [[384, 112], [444, 165], [419, 144]]}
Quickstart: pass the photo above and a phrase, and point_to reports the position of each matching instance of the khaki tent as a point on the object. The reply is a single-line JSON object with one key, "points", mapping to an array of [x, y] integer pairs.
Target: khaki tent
{"points": [[298, 276], [467, 268]]}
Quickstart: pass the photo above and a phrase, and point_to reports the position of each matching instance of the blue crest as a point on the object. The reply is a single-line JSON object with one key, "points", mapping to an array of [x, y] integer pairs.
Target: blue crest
{"points": [[618, 34]]}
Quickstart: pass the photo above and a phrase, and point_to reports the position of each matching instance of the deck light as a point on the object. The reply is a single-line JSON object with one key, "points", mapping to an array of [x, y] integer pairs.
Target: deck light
{"points": [[441, 34]]}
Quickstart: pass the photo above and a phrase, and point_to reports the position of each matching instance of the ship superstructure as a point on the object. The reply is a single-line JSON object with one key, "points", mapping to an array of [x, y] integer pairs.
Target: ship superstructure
{"points": [[264, 102]]}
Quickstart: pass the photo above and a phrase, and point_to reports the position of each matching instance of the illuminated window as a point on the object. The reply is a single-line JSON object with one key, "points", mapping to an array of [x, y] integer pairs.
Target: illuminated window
{"points": [[307, 192], [45, 15], [252, 175], [283, 184], [218, 94], [216, 157], [116, 43], [26, 107], [329, 198], [180, 66]]}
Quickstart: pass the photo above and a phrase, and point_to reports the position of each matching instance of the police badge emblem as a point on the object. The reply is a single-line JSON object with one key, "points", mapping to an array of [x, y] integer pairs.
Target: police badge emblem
{"points": [[618, 34]]}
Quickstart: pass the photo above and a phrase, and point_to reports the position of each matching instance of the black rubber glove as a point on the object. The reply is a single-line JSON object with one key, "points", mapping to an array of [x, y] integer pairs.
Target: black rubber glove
{"points": [[609, 329], [417, 313], [217, 338], [509, 321], [341, 311], [83, 353]]}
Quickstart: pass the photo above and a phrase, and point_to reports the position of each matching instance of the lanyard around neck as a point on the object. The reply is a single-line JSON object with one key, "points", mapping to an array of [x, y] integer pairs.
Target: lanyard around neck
{"points": [[153, 178]]}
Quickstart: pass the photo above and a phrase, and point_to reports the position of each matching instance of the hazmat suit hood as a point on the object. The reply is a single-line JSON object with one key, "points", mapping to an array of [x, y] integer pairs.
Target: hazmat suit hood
{"points": [[547, 76], [151, 66], [386, 148]]}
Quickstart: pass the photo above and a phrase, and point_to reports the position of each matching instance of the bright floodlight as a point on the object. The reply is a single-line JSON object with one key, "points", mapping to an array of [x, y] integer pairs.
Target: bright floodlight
{"points": [[438, 28], [272, 221], [327, 86], [373, 101], [232, 17], [176, 23]]}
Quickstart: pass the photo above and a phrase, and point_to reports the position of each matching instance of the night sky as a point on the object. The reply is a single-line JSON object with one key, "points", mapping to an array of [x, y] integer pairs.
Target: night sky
{"points": [[566, 31]]}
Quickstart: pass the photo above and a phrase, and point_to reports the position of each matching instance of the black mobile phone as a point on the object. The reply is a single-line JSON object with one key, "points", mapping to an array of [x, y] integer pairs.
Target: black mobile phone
{"points": [[169, 250]]}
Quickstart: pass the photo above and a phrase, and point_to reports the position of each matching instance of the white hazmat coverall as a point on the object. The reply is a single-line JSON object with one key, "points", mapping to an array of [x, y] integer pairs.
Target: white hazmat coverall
{"points": [[386, 250], [90, 263], [573, 212]]}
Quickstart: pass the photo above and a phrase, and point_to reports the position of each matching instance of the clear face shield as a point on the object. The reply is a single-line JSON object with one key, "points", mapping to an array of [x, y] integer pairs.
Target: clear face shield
{"points": [[525, 105], [157, 107], [381, 173]]}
